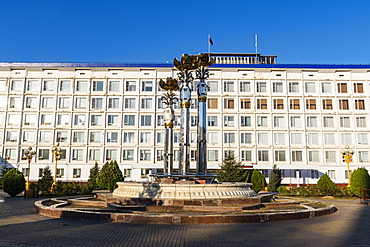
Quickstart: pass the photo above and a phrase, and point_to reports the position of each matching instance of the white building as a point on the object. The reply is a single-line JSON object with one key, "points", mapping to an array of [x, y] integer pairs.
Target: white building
{"points": [[298, 117]]}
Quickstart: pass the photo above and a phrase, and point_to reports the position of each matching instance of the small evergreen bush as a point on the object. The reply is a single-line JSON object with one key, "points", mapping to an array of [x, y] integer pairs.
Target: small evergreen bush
{"points": [[231, 170], [109, 175], [274, 179], [258, 181], [46, 181], [327, 186], [359, 179], [13, 182], [94, 172]]}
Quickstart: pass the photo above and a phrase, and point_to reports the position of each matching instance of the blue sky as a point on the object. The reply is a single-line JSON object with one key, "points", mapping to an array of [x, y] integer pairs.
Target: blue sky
{"points": [[157, 31]]}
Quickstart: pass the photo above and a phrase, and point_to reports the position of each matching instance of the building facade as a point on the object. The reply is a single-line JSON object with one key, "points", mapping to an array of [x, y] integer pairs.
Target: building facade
{"points": [[298, 117]]}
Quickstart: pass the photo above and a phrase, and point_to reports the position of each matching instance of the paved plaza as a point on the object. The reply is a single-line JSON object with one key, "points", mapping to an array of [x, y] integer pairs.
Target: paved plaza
{"points": [[21, 226]]}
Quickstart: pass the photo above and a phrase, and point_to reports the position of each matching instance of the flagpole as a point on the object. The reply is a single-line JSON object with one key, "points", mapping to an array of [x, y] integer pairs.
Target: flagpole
{"points": [[209, 43]]}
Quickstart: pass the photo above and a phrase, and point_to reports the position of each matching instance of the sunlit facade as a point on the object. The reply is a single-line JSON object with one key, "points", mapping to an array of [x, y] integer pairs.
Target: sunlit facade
{"points": [[298, 117]]}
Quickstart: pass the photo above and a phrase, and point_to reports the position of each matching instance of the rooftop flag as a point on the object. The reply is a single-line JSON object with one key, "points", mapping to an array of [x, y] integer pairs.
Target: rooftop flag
{"points": [[210, 40]]}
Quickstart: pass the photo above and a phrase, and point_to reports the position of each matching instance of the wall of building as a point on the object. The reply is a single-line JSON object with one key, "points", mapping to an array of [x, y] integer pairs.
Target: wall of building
{"points": [[299, 119]]}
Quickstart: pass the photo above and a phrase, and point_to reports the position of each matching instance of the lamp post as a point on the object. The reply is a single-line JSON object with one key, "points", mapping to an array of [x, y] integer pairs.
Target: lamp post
{"points": [[29, 154], [347, 155], [56, 150]]}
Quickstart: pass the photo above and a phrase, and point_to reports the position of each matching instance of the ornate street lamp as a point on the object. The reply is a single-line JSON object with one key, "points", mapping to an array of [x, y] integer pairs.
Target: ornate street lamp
{"points": [[29, 154], [169, 99], [57, 151], [347, 155]]}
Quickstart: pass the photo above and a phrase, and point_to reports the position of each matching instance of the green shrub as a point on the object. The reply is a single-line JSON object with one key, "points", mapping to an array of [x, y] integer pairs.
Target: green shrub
{"points": [[13, 182], [359, 179], [274, 179], [109, 175], [94, 172], [231, 170], [258, 181], [327, 186], [46, 180]]}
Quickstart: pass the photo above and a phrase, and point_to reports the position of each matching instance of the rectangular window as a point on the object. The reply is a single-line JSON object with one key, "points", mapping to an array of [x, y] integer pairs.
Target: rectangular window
{"points": [[11, 136], [245, 103], [342, 87], [261, 87], [44, 154], [47, 102], [261, 121], [147, 86], [30, 119], [296, 138], [112, 137], [262, 104], [15, 102], [80, 119], [145, 137], [96, 120], [263, 155], [280, 155], [95, 136], [245, 121], [129, 120], [212, 103], [213, 86], [313, 156], [45, 136], [331, 174], [160, 137], [81, 86], [228, 103], [229, 121], [145, 155], [246, 155], [212, 137], [146, 120], [98, 86], [313, 138], [343, 104], [361, 122], [263, 138], [228, 86], [293, 87], [160, 155], [277, 87], [97, 103], [330, 156], [48, 86], [310, 87], [294, 104], [312, 122], [326, 87], [346, 138], [28, 136], [245, 138], [62, 136], [79, 137], [114, 86], [229, 137], [111, 154], [32, 86], [362, 139], [245, 86], [363, 156], [128, 154], [329, 138], [193, 120], [212, 121], [31, 102], [296, 156], [327, 104], [94, 154], [360, 104], [279, 121], [76, 172], [64, 102], [46, 119], [279, 138], [112, 120], [65, 86], [80, 103], [328, 122], [160, 120], [130, 86], [295, 122], [358, 87], [146, 103], [310, 104], [345, 122], [128, 137], [278, 104], [60, 173], [212, 155], [113, 103]]}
